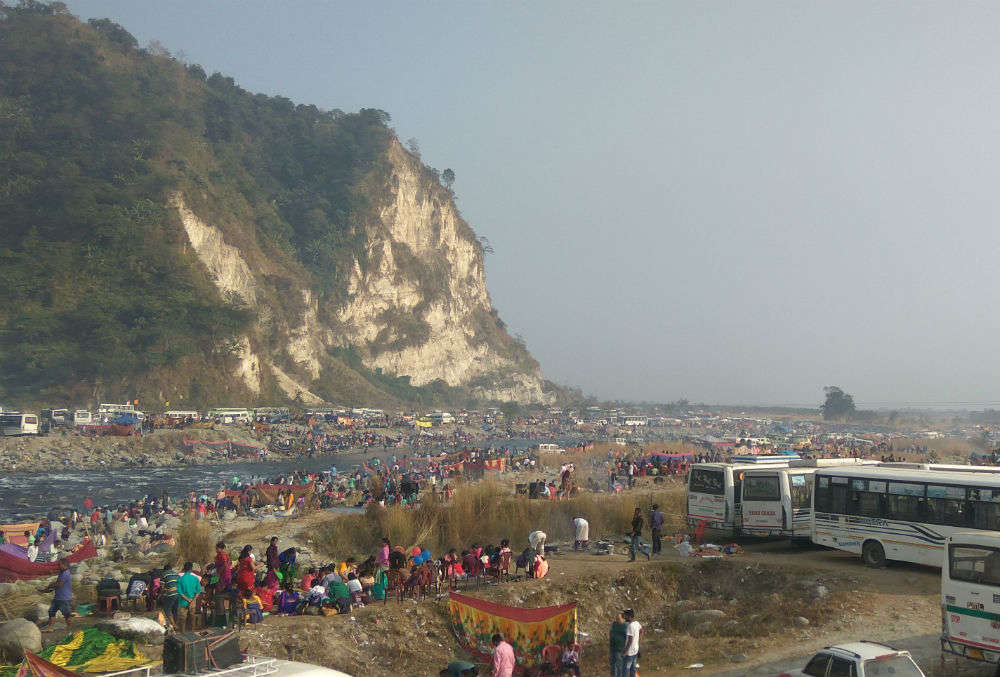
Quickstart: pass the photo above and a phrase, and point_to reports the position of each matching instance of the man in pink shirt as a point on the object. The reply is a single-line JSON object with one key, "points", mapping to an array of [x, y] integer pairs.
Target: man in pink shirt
{"points": [[503, 657]]}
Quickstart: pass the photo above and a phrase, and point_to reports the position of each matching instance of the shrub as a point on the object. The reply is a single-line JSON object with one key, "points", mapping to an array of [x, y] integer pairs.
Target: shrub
{"points": [[195, 540], [486, 513]]}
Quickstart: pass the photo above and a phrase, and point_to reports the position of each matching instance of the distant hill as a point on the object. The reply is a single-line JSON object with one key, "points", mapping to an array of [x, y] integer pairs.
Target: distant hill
{"points": [[170, 236]]}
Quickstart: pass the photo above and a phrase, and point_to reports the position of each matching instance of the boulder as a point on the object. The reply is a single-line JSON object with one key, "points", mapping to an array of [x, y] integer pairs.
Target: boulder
{"points": [[37, 613], [820, 592], [142, 630], [703, 628], [18, 636], [691, 619], [801, 621]]}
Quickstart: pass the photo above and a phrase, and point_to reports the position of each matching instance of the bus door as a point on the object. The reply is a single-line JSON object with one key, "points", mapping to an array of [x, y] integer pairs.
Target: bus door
{"points": [[970, 605], [737, 500], [798, 505]]}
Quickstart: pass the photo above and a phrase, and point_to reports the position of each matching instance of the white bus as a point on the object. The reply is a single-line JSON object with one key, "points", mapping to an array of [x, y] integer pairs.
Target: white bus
{"points": [[970, 596], [182, 415], [715, 490], [226, 415], [900, 514], [778, 501], [82, 417], [16, 423]]}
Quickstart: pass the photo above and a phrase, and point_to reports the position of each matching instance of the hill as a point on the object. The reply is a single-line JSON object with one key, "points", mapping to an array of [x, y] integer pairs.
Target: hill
{"points": [[173, 237]]}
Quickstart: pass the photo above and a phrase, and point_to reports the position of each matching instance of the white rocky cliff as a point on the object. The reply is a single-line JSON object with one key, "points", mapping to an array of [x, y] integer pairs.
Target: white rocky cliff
{"points": [[416, 305]]}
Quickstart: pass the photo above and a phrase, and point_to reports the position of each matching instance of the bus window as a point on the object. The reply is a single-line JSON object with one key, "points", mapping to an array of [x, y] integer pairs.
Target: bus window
{"points": [[801, 491], [761, 488], [906, 501], [705, 481], [974, 564], [824, 496], [986, 515], [946, 505]]}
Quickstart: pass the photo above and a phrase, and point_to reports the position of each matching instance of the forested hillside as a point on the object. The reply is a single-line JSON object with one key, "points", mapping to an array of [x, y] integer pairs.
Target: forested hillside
{"points": [[167, 234]]}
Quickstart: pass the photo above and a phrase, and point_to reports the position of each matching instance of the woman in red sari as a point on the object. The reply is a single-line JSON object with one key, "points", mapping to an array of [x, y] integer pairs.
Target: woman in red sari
{"points": [[245, 577]]}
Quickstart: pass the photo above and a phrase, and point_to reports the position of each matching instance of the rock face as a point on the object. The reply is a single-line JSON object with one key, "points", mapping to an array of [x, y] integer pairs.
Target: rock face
{"points": [[18, 636], [416, 303]]}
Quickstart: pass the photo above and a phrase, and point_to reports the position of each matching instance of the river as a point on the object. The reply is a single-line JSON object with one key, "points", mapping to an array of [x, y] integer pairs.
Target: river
{"points": [[31, 496]]}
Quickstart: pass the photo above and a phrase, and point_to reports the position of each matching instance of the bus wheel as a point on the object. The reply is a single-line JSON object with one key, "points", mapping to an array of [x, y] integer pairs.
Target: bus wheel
{"points": [[873, 554]]}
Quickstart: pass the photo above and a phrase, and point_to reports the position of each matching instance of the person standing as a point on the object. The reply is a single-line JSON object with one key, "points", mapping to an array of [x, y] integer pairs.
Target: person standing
{"points": [[63, 587], [271, 554], [630, 656], [656, 524], [617, 645], [169, 597], [503, 657], [634, 543], [188, 588]]}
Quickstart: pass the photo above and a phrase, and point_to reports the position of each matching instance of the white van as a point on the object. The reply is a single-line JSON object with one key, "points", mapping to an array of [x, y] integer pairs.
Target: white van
{"points": [[715, 490], [970, 596], [82, 417]]}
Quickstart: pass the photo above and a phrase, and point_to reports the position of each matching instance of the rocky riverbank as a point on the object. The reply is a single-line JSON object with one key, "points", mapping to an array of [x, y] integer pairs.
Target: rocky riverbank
{"points": [[70, 450]]}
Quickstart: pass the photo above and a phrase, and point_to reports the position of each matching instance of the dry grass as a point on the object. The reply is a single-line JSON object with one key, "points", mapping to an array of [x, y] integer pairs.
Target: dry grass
{"points": [[195, 540], [486, 513]]}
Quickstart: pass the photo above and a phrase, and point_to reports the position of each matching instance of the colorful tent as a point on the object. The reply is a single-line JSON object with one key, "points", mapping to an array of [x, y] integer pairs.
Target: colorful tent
{"points": [[15, 568], [474, 622]]}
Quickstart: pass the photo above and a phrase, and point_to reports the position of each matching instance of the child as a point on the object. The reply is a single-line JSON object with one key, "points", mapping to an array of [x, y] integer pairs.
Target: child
{"points": [[571, 660]]}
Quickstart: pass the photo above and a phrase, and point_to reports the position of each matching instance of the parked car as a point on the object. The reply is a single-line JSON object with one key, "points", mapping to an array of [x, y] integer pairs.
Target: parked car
{"points": [[859, 659]]}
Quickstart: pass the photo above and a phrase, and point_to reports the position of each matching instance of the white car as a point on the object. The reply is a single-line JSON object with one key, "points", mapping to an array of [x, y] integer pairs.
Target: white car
{"points": [[859, 659]]}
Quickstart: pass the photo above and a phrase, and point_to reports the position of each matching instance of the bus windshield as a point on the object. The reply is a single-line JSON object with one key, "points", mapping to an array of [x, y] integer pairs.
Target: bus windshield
{"points": [[705, 481], [761, 488]]}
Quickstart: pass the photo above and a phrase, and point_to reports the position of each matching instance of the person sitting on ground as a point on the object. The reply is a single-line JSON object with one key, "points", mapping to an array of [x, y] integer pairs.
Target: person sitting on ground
{"points": [[253, 608], [308, 578], [541, 566], [329, 576], [340, 595], [355, 588], [347, 566], [286, 601], [571, 660]]}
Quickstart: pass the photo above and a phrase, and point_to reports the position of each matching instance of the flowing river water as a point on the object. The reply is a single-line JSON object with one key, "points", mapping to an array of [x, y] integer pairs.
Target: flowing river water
{"points": [[27, 496], [31, 496]]}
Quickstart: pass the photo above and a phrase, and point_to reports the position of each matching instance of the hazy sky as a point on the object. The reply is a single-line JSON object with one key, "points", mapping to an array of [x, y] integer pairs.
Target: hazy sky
{"points": [[729, 202]]}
